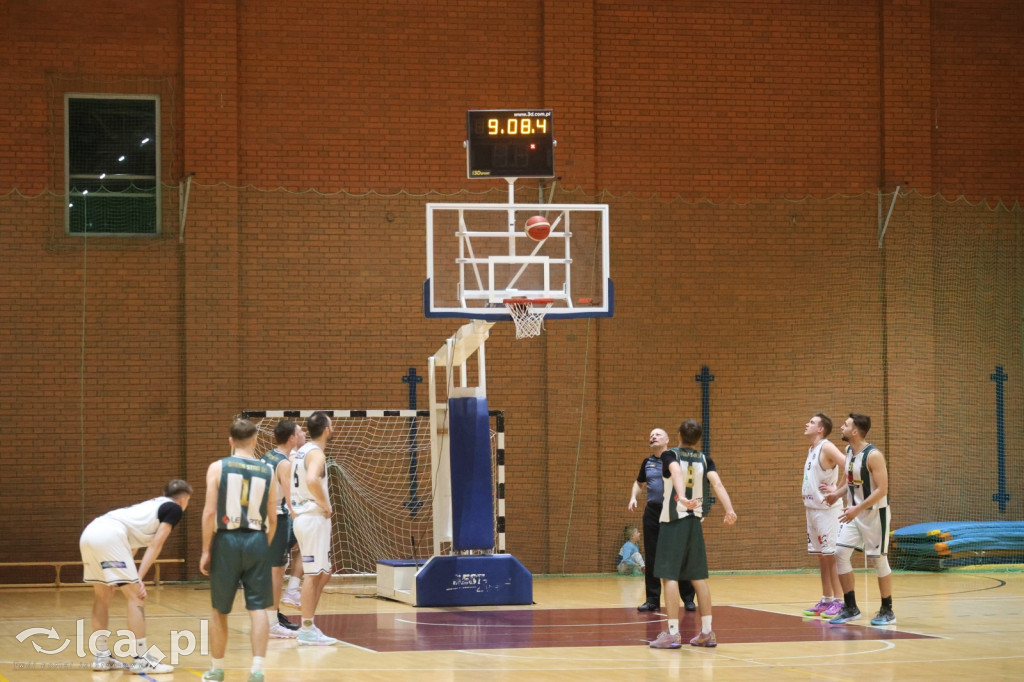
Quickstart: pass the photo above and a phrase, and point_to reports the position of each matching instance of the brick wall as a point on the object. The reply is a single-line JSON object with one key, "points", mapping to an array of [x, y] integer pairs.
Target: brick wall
{"points": [[724, 136]]}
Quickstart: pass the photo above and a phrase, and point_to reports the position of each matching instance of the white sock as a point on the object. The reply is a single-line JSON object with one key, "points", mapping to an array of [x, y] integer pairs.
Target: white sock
{"points": [[673, 626], [293, 583], [307, 624], [705, 624], [271, 616], [140, 647], [257, 664], [216, 664], [101, 646]]}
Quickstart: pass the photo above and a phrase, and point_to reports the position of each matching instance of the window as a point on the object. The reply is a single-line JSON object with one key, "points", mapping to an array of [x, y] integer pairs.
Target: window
{"points": [[112, 163]]}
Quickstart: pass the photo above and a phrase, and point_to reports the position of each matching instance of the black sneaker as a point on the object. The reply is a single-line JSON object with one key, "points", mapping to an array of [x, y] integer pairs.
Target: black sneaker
{"points": [[846, 615], [647, 606], [884, 617], [285, 622], [689, 606]]}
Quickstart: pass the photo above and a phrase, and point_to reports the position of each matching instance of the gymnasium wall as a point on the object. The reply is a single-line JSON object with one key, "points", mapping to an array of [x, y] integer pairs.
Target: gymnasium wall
{"points": [[748, 152]]}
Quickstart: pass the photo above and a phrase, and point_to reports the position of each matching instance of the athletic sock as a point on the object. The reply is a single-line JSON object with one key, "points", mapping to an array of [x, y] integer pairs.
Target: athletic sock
{"points": [[673, 626], [293, 583], [271, 616], [887, 603], [140, 647], [307, 623], [705, 624], [216, 664], [257, 664], [850, 599], [101, 645]]}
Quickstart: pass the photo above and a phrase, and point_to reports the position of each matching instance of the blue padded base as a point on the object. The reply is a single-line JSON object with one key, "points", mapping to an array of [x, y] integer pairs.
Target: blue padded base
{"points": [[487, 580]]}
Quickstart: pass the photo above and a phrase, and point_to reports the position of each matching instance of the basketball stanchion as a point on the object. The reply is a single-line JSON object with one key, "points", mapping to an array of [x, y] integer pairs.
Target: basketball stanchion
{"points": [[528, 315]]}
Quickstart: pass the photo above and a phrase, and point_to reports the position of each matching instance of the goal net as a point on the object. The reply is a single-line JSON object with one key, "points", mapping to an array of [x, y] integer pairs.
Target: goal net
{"points": [[379, 482]]}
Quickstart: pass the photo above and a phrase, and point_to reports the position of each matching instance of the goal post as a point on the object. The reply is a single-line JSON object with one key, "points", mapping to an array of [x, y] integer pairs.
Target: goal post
{"points": [[380, 483]]}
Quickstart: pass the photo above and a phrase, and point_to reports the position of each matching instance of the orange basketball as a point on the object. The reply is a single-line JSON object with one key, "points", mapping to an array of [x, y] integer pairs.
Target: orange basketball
{"points": [[538, 228]]}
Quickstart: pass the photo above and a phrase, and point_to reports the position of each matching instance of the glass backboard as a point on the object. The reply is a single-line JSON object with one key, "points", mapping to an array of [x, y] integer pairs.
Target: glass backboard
{"points": [[479, 255]]}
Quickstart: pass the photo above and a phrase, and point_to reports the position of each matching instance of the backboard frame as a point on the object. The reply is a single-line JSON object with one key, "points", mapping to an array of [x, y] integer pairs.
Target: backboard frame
{"points": [[480, 291]]}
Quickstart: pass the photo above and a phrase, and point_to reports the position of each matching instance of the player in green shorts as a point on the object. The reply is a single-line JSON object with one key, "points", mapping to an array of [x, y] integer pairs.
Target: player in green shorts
{"points": [[688, 476], [238, 524]]}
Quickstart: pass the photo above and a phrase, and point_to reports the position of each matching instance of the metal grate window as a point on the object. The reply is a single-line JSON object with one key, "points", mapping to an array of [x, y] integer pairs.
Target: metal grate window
{"points": [[112, 164]]}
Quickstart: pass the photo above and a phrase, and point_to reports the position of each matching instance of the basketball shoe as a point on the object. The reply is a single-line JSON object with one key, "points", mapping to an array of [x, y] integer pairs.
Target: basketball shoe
{"points": [[818, 608], [667, 641], [884, 617], [286, 623], [833, 609], [704, 639], [293, 598], [281, 632], [143, 665], [845, 616], [214, 675], [314, 637], [256, 677], [106, 661]]}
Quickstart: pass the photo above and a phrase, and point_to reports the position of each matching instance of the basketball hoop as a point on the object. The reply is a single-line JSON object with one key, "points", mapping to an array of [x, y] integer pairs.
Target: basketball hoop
{"points": [[528, 314]]}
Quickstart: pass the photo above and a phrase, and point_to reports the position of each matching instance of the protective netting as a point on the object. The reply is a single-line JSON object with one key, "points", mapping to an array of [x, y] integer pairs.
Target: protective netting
{"points": [[380, 487]]}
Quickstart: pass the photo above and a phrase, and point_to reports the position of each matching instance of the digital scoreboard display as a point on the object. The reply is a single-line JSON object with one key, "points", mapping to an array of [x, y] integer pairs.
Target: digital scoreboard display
{"points": [[510, 143]]}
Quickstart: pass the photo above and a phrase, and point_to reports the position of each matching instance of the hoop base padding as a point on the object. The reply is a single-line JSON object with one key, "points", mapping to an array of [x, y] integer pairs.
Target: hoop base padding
{"points": [[483, 580]]}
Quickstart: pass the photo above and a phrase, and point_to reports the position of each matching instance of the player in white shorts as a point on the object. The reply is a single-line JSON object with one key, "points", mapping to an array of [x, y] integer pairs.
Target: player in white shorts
{"points": [[821, 474], [865, 519], [311, 506], [108, 545]]}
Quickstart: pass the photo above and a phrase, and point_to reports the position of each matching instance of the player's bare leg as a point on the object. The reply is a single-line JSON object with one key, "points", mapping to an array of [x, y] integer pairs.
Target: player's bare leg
{"points": [[101, 606], [703, 597], [136, 611]]}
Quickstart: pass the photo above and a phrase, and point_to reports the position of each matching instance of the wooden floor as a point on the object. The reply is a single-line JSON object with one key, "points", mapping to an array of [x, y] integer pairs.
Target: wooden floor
{"points": [[964, 624]]}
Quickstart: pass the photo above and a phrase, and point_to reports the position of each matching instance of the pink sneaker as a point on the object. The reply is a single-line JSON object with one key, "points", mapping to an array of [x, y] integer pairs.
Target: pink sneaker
{"points": [[667, 641], [832, 610], [817, 609], [702, 639]]}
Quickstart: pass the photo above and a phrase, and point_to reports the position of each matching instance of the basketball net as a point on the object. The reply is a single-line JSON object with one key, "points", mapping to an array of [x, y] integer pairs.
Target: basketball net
{"points": [[529, 320]]}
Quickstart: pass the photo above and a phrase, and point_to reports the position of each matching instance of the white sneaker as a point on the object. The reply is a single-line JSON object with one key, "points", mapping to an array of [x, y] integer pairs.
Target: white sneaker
{"points": [[292, 597], [148, 667], [314, 637], [106, 662], [281, 632]]}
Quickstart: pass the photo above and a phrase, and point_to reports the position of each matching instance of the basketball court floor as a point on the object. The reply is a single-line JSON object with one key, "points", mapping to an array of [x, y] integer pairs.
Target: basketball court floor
{"points": [[964, 624]]}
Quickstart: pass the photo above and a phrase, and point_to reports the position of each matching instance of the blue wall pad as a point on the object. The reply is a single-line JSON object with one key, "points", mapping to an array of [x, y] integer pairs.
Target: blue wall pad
{"points": [[472, 494], [488, 580]]}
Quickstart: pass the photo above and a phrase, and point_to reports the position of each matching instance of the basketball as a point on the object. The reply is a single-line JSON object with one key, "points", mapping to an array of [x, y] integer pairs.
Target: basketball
{"points": [[538, 228]]}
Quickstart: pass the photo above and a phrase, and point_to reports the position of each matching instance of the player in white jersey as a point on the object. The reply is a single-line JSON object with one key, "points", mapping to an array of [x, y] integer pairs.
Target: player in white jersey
{"points": [[821, 473], [865, 519], [311, 506], [108, 547], [293, 592]]}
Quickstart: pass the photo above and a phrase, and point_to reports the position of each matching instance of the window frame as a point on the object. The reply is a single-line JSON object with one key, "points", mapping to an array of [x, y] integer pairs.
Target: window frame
{"points": [[157, 195]]}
